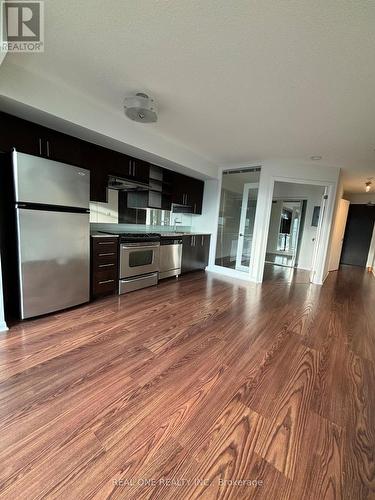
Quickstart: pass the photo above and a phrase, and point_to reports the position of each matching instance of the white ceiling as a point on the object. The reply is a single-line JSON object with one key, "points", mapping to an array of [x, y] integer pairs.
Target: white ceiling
{"points": [[236, 81]]}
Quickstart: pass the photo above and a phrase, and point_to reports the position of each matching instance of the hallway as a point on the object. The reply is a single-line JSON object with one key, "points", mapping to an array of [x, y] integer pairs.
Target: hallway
{"points": [[221, 380]]}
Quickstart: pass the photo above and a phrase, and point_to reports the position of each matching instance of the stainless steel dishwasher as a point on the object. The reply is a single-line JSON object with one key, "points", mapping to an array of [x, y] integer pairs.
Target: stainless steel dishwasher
{"points": [[170, 257]]}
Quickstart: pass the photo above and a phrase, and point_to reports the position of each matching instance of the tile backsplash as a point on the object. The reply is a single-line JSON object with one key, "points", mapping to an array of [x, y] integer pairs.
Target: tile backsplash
{"points": [[141, 228]]}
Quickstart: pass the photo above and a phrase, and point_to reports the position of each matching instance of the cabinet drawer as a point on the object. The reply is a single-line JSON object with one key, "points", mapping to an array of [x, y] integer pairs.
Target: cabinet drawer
{"points": [[104, 287], [105, 275], [101, 245], [104, 265], [104, 257], [104, 281]]}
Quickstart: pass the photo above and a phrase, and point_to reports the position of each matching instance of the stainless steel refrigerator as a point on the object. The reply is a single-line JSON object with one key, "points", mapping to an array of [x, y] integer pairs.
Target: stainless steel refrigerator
{"points": [[52, 219]]}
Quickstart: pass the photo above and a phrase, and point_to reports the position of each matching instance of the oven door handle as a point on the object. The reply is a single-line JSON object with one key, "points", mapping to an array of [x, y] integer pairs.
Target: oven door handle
{"points": [[139, 247]]}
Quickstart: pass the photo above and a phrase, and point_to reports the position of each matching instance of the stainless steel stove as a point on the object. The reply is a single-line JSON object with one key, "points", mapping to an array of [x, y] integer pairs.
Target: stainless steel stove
{"points": [[139, 260]]}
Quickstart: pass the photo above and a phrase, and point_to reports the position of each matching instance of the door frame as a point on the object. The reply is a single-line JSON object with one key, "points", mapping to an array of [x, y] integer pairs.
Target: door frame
{"points": [[295, 200], [262, 218], [262, 227], [245, 198]]}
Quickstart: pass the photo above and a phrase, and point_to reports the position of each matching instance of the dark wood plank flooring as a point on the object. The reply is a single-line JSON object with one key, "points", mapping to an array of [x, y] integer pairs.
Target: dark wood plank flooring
{"points": [[200, 388]]}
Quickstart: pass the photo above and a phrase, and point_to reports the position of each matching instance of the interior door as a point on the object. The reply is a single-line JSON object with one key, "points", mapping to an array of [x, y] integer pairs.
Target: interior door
{"points": [[338, 235], [358, 234], [246, 228]]}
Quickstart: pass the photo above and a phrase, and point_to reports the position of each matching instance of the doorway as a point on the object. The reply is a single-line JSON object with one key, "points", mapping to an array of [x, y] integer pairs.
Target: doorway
{"points": [[294, 229], [238, 202], [358, 234], [286, 223]]}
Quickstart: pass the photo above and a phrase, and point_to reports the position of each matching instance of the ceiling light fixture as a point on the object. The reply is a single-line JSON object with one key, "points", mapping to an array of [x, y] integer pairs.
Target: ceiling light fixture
{"points": [[368, 185], [141, 108], [316, 158]]}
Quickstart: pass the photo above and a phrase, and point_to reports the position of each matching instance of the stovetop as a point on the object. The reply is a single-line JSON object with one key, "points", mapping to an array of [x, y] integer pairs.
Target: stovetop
{"points": [[134, 237]]}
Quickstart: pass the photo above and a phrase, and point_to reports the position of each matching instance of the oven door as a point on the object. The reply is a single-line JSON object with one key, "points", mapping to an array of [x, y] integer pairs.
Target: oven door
{"points": [[138, 258]]}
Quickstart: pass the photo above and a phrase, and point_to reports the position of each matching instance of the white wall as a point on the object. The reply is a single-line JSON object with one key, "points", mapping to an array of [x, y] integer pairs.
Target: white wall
{"points": [[207, 222], [105, 212], [274, 228], [360, 198]]}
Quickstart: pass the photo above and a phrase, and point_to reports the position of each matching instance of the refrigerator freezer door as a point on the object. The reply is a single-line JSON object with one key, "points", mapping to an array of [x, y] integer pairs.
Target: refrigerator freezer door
{"points": [[38, 180], [53, 260]]}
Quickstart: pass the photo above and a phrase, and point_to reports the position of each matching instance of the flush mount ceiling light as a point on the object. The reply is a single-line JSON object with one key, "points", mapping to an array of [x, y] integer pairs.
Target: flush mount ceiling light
{"points": [[368, 185], [315, 158], [141, 108]]}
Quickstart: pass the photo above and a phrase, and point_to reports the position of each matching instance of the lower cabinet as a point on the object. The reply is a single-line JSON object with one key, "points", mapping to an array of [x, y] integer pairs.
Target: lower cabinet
{"points": [[195, 251], [104, 266]]}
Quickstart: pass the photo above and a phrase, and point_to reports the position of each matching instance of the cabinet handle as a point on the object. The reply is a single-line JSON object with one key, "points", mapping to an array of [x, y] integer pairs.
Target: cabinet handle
{"points": [[133, 168], [130, 167], [105, 254], [106, 281], [106, 265], [48, 149], [202, 240], [195, 208], [106, 242], [40, 146]]}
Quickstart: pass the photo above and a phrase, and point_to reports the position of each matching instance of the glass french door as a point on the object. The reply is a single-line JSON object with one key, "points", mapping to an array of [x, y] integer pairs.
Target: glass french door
{"points": [[246, 227]]}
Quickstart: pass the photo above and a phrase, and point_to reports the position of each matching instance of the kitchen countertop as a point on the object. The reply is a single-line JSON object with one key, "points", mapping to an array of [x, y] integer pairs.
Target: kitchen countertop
{"points": [[98, 234]]}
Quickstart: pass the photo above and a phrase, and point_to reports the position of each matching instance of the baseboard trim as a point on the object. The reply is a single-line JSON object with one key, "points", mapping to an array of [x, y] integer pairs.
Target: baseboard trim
{"points": [[3, 326], [230, 273]]}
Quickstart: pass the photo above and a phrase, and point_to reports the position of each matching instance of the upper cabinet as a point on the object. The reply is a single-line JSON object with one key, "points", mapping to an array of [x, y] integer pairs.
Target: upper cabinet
{"points": [[19, 134], [61, 147], [95, 159], [188, 192], [27, 137], [162, 186], [126, 167]]}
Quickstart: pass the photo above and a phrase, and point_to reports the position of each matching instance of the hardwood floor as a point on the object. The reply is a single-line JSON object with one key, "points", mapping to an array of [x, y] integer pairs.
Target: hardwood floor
{"points": [[204, 387], [283, 274]]}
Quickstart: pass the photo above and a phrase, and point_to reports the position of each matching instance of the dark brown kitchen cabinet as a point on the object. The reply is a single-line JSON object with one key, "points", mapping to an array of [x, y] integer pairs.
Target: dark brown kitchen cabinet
{"points": [[126, 167], [27, 137], [62, 148], [20, 134], [195, 252], [138, 170], [104, 266], [195, 195], [188, 192], [95, 159]]}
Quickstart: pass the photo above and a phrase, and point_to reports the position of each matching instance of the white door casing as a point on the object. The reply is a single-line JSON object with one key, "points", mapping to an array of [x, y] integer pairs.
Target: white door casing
{"points": [[338, 235]]}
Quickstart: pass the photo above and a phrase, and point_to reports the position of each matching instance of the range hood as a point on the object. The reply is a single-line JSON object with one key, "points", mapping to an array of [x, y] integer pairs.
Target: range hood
{"points": [[125, 185]]}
